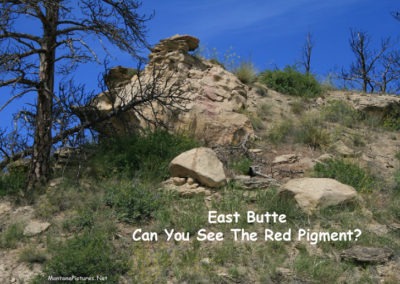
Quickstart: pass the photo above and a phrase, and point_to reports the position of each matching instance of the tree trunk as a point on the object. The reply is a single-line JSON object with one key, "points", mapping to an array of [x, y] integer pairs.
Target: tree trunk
{"points": [[40, 166]]}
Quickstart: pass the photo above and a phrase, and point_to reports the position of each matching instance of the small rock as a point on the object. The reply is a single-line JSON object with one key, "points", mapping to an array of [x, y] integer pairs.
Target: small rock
{"points": [[343, 150], [395, 226], [35, 228], [178, 181], [205, 261], [190, 181], [378, 229], [285, 159], [5, 207], [284, 271], [367, 254], [55, 182], [255, 182], [324, 157], [193, 185], [255, 151]]}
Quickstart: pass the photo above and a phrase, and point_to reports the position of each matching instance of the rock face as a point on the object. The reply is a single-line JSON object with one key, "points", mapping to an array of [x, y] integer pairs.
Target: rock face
{"points": [[311, 193], [201, 164], [211, 98]]}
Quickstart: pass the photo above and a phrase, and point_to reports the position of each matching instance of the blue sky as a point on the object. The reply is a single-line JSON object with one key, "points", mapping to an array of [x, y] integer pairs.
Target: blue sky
{"points": [[271, 32], [268, 32]]}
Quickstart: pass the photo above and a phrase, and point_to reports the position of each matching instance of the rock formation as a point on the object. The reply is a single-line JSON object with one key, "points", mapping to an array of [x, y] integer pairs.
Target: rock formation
{"points": [[204, 99]]}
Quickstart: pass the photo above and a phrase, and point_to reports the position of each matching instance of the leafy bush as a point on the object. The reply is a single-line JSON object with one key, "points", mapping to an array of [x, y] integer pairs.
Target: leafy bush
{"points": [[32, 255], [347, 173], [241, 165], [341, 112], [88, 255], [281, 131], [312, 132], [246, 72], [12, 182], [134, 203], [141, 156], [391, 120], [291, 82], [10, 237]]}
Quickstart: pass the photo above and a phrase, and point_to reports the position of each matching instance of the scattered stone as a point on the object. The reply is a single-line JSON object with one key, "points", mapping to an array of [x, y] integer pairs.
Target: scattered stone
{"points": [[201, 164], [5, 207], [395, 226], [205, 261], [185, 190], [283, 271], [324, 157], [389, 271], [56, 182], [178, 181], [35, 228], [248, 182], [285, 159], [378, 229], [343, 150], [190, 181], [255, 151], [193, 185], [311, 193], [367, 254]]}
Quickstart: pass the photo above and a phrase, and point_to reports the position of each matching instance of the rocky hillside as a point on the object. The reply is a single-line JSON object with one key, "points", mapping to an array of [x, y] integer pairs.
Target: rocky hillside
{"points": [[259, 186]]}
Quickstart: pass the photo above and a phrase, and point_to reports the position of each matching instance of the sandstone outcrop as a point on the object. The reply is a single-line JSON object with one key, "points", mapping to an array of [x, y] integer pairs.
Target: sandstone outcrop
{"points": [[372, 104], [312, 193], [205, 100], [200, 164]]}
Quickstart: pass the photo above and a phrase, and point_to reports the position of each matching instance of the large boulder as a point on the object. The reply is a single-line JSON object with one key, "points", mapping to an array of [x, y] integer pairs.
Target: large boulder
{"points": [[205, 100], [312, 193], [201, 164]]}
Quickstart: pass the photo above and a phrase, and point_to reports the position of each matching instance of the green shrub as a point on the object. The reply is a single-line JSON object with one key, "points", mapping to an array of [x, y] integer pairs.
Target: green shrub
{"points": [[299, 106], [291, 82], [134, 203], [246, 72], [241, 165], [341, 112], [140, 156], [32, 255], [182, 214], [12, 182], [312, 132], [88, 255], [347, 173], [391, 119], [10, 237], [279, 132], [317, 268]]}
